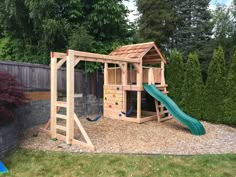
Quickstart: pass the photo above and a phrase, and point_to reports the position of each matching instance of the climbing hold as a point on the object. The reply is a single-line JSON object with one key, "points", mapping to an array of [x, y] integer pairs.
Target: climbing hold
{"points": [[116, 103], [117, 88], [120, 115], [110, 106], [114, 96], [105, 98]]}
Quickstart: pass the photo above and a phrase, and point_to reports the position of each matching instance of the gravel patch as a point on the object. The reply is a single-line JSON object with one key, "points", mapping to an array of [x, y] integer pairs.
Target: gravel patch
{"points": [[114, 136]]}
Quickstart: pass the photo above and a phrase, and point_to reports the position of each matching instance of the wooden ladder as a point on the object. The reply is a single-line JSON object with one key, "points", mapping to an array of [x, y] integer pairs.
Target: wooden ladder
{"points": [[59, 136]]}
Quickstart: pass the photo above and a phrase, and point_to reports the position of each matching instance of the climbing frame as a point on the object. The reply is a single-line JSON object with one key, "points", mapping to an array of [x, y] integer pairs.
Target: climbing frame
{"points": [[118, 81]]}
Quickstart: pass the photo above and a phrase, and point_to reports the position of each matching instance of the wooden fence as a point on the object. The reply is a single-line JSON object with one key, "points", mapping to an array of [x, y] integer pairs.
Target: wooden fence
{"points": [[36, 77]]}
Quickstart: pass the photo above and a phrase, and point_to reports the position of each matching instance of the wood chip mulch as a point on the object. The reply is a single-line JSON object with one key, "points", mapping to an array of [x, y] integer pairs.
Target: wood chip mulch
{"points": [[114, 136]]}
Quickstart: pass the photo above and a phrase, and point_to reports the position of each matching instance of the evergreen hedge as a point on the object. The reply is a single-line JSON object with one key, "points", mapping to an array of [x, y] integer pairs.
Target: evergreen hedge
{"points": [[215, 88], [193, 88], [175, 76], [230, 102]]}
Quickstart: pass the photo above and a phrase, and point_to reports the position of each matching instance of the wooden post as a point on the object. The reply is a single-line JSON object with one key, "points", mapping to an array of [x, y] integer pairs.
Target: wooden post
{"points": [[139, 93], [53, 95], [106, 73], [124, 83], [70, 81], [162, 73], [157, 111], [162, 82]]}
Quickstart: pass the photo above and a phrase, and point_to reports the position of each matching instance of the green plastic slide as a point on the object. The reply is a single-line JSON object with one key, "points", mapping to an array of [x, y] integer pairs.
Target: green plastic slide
{"points": [[194, 125]]}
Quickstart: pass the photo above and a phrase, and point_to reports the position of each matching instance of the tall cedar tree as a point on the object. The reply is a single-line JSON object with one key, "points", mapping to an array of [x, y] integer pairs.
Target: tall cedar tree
{"points": [[175, 75], [193, 88], [215, 88], [157, 21], [230, 103], [193, 27], [180, 24]]}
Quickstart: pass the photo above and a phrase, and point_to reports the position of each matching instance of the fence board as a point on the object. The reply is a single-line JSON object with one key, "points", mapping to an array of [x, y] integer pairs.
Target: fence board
{"points": [[36, 77]]}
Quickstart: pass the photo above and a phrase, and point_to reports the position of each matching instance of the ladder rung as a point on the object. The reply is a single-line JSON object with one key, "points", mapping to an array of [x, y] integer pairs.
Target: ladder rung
{"points": [[61, 116], [166, 118], [61, 104], [61, 127], [164, 112]]}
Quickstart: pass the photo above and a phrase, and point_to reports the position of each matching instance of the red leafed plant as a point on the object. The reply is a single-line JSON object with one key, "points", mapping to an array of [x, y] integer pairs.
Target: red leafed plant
{"points": [[11, 97]]}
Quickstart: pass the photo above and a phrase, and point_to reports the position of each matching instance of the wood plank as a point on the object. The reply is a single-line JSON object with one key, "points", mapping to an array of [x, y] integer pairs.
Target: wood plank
{"points": [[59, 127], [61, 62], [113, 107], [61, 116], [81, 128], [58, 55], [157, 111], [76, 62], [61, 137], [70, 97], [91, 147], [61, 104], [105, 73], [113, 99], [166, 118], [53, 96], [137, 67], [103, 58], [146, 119], [37, 96], [113, 96], [47, 132]]}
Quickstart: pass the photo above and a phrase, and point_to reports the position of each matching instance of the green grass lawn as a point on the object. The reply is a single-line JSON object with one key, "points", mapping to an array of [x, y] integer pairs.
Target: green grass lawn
{"points": [[26, 163]]}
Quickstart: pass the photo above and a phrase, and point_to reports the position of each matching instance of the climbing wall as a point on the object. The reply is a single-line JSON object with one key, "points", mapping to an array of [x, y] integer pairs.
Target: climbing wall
{"points": [[113, 101]]}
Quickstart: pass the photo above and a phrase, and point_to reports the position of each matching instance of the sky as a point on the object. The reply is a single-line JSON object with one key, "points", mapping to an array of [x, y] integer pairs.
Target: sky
{"points": [[131, 6]]}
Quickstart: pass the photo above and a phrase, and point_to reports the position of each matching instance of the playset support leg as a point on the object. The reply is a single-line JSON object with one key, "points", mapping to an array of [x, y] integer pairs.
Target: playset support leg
{"points": [[106, 73], [70, 81], [53, 96], [124, 82], [157, 111], [139, 93]]}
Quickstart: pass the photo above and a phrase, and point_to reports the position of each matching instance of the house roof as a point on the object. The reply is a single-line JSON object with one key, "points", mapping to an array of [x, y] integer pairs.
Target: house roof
{"points": [[149, 52]]}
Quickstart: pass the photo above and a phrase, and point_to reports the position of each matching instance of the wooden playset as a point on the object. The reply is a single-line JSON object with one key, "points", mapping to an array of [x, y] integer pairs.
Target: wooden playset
{"points": [[126, 69]]}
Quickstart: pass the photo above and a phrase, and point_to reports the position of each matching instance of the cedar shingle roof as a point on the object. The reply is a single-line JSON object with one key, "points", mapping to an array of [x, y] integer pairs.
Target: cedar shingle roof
{"points": [[148, 51]]}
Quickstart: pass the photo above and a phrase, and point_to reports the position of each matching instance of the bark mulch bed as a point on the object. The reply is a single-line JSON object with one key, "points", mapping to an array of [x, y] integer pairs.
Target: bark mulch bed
{"points": [[114, 136]]}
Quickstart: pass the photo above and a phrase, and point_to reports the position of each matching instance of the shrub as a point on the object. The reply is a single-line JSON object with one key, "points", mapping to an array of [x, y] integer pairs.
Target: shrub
{"points": [[230, 103], [215, 88], [11, 97], [193, 87], [175, 76]]}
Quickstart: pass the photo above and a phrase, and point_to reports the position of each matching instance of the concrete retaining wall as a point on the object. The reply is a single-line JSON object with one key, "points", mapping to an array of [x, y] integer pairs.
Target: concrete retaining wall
{"points": [[36, 113]]}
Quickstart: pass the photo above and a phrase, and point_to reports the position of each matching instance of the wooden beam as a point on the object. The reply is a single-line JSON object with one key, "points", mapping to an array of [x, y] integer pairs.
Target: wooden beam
{"points": [[76, 62], [139, 93], [85, 135], [70, 81], [53, 96], [163, 73], [122, 67], [103, 58], [155, 55], [61, 62], [137, 67], [158, 51], [124, 82], [105, 73], [157, 111], [153, 61], [58, 55]]}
